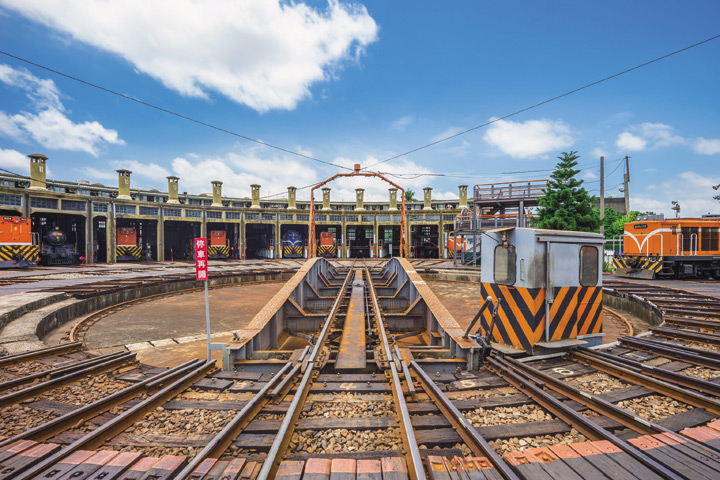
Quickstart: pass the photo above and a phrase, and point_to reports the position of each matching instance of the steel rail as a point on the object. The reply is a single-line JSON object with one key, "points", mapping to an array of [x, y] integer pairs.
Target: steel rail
{"points": [[609, 409], [222, 440], [406, 374], [659, 386], [33, 390], [284, 386], [695, 356], [686, 335], [56, 372], [658, 372], [59, 424], [412, 452], [462, 425], [287, 427], [108, 430], [692, 322], [40, 353], [526, 384]]}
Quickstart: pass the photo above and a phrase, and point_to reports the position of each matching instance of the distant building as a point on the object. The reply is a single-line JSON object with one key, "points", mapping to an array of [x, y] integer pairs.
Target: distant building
{"points": [[617, 204]]}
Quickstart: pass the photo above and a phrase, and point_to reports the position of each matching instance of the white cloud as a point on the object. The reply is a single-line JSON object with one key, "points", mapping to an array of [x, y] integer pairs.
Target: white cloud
{"points": [[588, 175], [446, 133], [152, 171], [660, 135], [238, 172], [706, 146], [95, 174], [692, 190], [402, 122], [529, 139], [628, 141], [403, 172], [648, 135], [42, 92], [263, 53], [598, 152], [50, 127], [14, 161]]}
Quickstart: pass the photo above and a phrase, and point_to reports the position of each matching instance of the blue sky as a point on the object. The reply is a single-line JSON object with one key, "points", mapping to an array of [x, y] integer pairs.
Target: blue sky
{"points": [[362, 82]]}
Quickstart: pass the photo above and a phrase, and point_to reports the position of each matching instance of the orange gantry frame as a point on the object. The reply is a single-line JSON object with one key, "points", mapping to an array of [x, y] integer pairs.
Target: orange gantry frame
{"points": [[357, 173]]}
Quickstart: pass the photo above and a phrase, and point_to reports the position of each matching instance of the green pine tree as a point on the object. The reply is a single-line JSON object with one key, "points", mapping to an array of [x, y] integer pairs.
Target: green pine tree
{"points": [[566, 205]]}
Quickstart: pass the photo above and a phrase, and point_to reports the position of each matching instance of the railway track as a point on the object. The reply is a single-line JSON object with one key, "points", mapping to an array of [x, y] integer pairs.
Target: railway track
{"points": [[355, 402], [689, 318]]}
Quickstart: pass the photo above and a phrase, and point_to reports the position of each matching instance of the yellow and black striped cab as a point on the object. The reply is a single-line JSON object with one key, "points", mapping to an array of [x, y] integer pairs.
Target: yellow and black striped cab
{"points": [[549, 284]]}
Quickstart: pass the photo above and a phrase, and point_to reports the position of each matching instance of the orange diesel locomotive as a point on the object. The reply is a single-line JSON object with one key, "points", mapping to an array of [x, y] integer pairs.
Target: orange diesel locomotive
{"points": [[218, 248], [127, 248], [327, 246], [16, 246], [679, 248]]}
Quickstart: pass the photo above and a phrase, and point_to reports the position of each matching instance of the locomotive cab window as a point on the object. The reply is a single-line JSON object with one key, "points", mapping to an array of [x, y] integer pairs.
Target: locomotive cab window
{"points": [[709, 242], [504, 265], [588, 266]]}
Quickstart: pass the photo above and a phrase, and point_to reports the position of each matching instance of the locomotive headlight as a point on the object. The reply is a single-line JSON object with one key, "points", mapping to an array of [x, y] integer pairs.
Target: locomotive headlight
{"points": [[505, 240]]}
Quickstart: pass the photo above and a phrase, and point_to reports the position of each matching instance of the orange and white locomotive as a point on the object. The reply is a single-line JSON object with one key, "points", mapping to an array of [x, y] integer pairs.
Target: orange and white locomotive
{"points": [[675, 248]]}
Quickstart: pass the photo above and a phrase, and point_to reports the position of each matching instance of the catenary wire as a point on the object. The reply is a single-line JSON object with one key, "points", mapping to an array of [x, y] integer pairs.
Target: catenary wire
{"points": [[544, 101], [170, 112]]}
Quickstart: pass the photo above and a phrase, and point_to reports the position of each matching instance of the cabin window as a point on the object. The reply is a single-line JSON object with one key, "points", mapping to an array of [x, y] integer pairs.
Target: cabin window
{"points": [[588, 266], [709, 242], [690, 238], [504, 265]]}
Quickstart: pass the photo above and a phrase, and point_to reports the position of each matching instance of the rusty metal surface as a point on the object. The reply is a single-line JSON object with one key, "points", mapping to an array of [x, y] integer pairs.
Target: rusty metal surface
{"points": [[351, 354], [444, 318]]}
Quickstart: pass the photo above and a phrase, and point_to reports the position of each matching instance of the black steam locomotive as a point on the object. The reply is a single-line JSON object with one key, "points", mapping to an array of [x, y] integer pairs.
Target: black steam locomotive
{"points": [[55, 249]]}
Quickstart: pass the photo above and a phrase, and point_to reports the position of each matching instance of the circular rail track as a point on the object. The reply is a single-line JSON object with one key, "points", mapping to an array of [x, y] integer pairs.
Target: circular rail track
{"points": [[646, 408]]}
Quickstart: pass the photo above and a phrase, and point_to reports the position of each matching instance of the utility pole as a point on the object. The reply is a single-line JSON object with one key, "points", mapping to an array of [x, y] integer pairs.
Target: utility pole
{"points": [[602, 195], [627, 181]]}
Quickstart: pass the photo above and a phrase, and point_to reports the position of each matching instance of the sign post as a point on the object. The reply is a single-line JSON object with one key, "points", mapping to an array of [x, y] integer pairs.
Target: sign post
{"points": [[201, 274]]}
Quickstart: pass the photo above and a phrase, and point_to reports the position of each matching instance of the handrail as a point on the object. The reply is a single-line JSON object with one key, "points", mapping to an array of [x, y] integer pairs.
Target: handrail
{"points": [[512, 182]]}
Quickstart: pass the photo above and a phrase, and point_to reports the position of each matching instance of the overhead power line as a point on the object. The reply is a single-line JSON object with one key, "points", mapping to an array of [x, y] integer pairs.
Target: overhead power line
{"points": [[543, 102], [171, 112]]}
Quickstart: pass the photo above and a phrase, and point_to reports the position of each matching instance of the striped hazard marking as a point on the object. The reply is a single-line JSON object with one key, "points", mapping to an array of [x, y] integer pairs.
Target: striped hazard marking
{"points": [[289, 250], [575, 311], [128, 251], [218, 250], [18, 252], [521, 315]]}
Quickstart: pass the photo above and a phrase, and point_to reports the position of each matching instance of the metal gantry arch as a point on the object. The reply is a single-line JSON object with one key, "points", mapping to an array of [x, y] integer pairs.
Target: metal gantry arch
{"points": [[357, 173]]}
